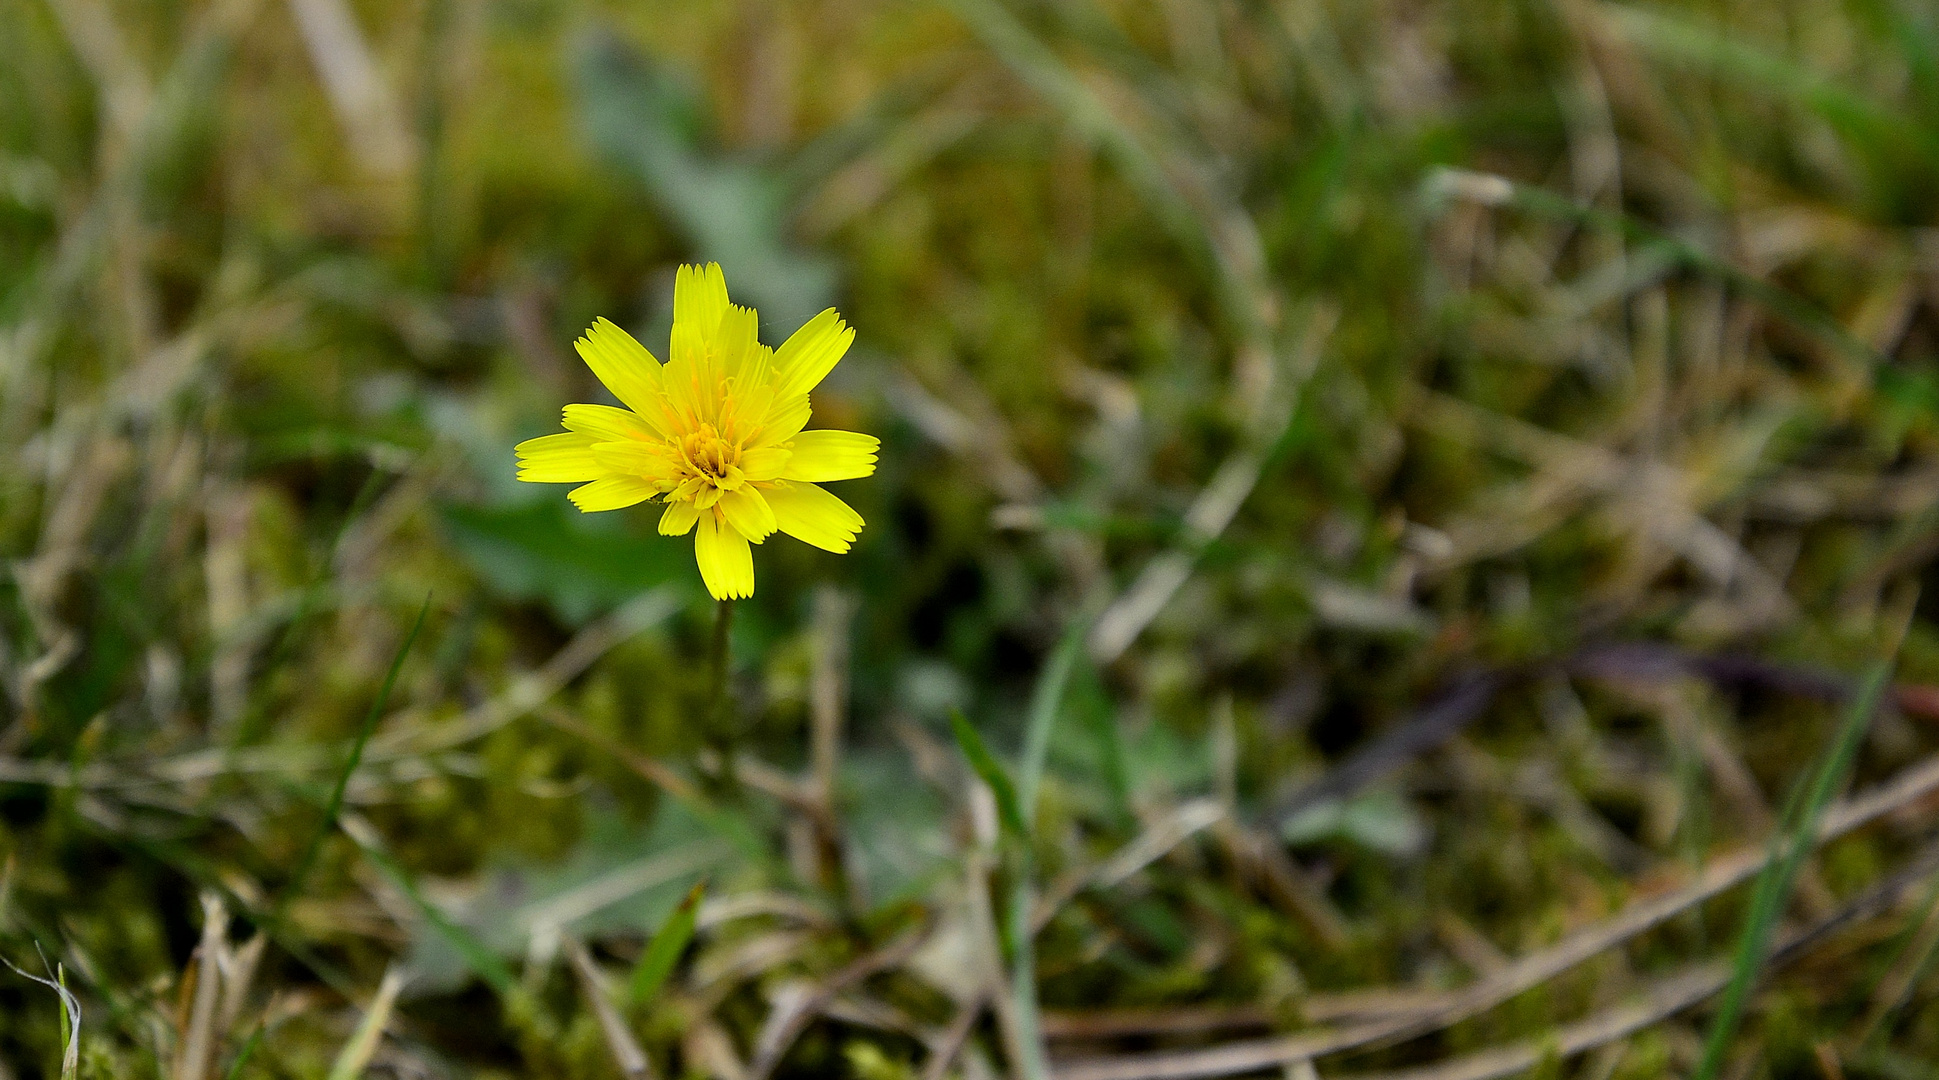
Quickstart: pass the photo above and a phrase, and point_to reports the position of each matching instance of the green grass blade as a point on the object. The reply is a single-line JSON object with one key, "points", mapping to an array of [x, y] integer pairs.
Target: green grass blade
{"points": [[1032, 1063], [1046, 73], [249, 727], [243, 1055], [1044, 703], [1008, 809], [485, 963], [70, 1015], [665, 948], [334, 807], [1788, 856], [1867, 123]]}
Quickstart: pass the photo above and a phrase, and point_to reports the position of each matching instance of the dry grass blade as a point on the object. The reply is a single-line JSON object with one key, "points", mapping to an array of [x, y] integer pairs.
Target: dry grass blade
{"points": [[627, 1055], [1664, 997], [370, 1030], [1170, 830], [199, 1042], [792, 1016], [942, 1053], [1724, 873], [363, 103], [1117, 1023], [530, 691], [1213, 509]]}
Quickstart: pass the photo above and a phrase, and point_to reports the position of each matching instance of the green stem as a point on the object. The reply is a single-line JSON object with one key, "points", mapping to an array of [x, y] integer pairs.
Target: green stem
{"points": [[720, 713]]}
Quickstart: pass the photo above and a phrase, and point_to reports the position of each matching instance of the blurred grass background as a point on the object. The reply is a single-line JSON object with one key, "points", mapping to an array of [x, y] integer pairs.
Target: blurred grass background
{"points": [[1298, 364]]}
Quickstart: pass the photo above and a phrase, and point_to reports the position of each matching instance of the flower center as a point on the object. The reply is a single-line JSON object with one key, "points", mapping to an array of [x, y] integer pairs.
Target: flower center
{"points": [[712, 457]]}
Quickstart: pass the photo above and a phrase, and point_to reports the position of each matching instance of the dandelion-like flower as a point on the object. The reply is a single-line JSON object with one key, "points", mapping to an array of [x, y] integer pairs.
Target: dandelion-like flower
{"points": [[715, 433]]}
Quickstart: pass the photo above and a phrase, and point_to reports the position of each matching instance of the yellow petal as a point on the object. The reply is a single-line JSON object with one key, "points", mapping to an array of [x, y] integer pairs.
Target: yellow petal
{"points": [[691, 392], [611, 493], [565, 458], [831, 455], [764, 463], [726, 562], [647, 461], [699, 298], [735, 339], [757, 371], [786, 417], [748, 513], [605, 423], [624, 365], [679, 518], [810, 354], [813, 516]]}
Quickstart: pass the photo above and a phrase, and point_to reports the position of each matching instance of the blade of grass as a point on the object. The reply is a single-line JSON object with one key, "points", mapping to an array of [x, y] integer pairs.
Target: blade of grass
{"points": [[363, 1042], [1044, 705], [1867, 123], [1788, 853], [482, 961], [70, 1015], [665, 948], [334, 808], [1016, 808], [1494, 190], [243, 1055], [249, 727], [1044, 702], [1008, 809]]}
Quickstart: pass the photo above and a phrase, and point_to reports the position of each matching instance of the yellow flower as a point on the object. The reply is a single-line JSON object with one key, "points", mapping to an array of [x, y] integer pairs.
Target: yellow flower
{"points": [[715, 433]]}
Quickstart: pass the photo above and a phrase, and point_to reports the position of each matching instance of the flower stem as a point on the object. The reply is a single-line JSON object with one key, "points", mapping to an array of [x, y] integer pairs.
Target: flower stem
{"points": [[720, 713]]}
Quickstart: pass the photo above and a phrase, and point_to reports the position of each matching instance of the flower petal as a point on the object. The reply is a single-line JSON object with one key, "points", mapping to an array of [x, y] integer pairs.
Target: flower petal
{"points": [[624, 365], [611, 493], [786, 418], [565, 458], [679, 518], [764, 463], [699, 298], [831, 455], [726, 562], [748, 513], [647, 461], [809, 355], [735, 339], [813, 516], [605, 423]]}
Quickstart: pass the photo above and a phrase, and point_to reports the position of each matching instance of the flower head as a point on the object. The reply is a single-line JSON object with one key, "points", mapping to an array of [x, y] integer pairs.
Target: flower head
{"points": [[715, 433]]}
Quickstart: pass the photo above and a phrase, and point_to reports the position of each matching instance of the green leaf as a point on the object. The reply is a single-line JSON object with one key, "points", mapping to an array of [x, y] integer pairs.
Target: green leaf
{"points": [[546, 550], [665, 948], [1009, 810]]}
